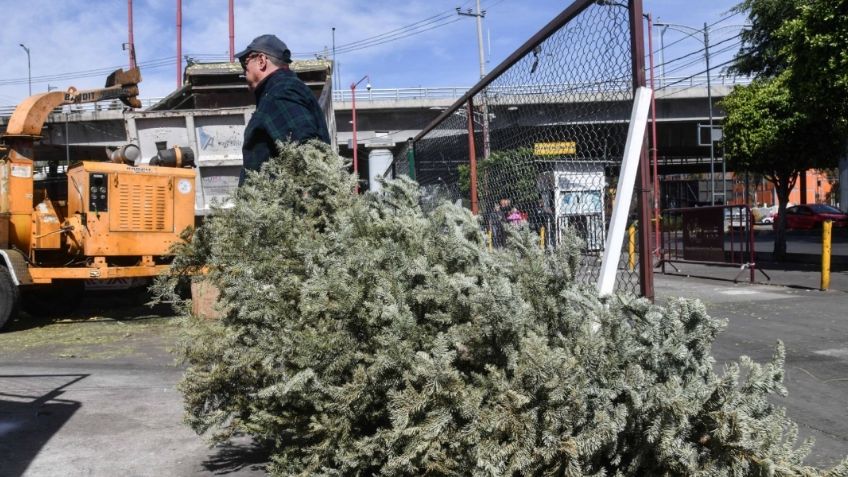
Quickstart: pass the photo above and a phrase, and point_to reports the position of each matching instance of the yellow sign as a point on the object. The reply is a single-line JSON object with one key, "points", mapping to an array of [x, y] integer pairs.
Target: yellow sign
{"points": [[555, 148]]}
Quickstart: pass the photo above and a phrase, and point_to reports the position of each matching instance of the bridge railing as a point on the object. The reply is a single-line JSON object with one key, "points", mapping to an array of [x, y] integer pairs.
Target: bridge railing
{"points": [[400, 94], [671, 83], [454, 92], [111, 105]]}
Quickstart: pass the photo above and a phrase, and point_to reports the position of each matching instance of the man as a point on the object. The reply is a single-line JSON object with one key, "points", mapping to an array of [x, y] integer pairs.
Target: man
{"points": [[286, 109]]}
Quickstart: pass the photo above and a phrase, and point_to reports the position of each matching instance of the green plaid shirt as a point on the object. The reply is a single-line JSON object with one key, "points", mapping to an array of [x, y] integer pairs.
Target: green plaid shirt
{"points": [[286, 110]]}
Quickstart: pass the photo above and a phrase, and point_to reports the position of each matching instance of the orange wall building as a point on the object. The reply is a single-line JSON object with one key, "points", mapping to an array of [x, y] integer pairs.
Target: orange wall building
{"points": [[820, 188]]}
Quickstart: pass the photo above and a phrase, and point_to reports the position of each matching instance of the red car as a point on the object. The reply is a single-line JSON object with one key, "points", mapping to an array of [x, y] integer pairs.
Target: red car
{"points": [[812, 216]]}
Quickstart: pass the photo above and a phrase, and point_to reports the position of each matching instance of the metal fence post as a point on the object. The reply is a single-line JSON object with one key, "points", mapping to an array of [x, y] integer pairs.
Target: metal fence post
{"points": [[646, 270], [410, 157], [472, 156]]}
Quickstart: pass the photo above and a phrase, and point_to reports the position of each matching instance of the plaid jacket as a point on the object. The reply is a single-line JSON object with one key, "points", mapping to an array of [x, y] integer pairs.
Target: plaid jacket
{"points": [[286, 110]]}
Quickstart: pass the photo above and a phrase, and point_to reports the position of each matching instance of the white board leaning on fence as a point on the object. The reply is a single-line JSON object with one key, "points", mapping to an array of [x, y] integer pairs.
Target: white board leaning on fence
{"points": [[624, 193]]}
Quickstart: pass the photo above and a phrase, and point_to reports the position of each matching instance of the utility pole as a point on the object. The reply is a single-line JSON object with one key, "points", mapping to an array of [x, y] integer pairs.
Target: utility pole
{"points": [[479, 14], [231, 13], [712, 141], [662, 55], [130, 41], [180, 44]]}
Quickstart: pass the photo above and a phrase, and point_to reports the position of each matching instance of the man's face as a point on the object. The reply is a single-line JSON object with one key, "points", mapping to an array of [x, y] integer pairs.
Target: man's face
{"points": [[255, 66]]}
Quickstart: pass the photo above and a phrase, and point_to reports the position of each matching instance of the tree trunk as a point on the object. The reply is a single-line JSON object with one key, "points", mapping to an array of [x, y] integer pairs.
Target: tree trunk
{"points": [[782, 186]]}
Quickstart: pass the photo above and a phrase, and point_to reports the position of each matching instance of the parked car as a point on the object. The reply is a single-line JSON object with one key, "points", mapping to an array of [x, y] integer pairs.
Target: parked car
{"points": [[735, 218], [764, 215], [812, 216]]}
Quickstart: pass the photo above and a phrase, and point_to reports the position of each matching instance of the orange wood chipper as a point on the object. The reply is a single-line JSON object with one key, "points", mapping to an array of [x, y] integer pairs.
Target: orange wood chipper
{"points": [[112, 219]]}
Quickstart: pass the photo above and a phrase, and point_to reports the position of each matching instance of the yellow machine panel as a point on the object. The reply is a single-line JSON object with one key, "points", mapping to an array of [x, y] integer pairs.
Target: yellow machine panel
{"points": [[141, 203], [46, 227], [18, 189], [128, 210]]}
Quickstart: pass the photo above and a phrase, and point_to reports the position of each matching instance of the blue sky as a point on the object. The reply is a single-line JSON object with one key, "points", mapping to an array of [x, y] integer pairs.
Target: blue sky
{"points": [[76, 44]]}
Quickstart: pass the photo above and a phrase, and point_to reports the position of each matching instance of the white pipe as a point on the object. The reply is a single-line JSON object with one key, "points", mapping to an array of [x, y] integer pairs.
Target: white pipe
{"points": [[624, 193]]}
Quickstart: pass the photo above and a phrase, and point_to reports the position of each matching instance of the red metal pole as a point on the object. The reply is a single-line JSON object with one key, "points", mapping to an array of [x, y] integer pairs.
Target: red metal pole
{"points": [[355, 144], [179, 43], [232, 33], [752, 254], [131, 44], [658, 251], [472, 156], [646, 270]]}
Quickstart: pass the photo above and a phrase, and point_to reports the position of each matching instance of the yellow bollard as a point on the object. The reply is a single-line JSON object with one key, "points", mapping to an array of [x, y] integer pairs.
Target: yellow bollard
{"points": [[827, 228], [489, 236], [632, 247], [542, 238]]}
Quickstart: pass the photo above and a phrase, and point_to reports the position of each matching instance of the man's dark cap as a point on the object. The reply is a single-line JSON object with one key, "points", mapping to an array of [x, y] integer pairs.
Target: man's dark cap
{"points": [[268, 44]]}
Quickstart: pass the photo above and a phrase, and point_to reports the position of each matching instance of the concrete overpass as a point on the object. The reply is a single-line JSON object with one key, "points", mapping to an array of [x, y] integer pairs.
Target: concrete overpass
{"points": [[391, 116], [397, 115]]}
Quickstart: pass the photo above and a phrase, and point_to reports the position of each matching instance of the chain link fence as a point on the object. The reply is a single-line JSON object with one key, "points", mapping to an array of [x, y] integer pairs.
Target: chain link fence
{"points": [[540, 140]]}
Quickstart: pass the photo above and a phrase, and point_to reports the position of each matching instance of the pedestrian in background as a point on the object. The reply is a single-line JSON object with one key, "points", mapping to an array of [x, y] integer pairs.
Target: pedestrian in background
{"points": [[286, 109]]}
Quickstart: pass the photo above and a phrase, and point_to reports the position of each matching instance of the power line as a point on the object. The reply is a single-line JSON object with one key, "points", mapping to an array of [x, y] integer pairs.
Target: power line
{"points": [[698, 60], [401, 30], [152, 64], [701, 50], [695, 30], [681, 80], [399, 37], [361, 44], [430, 23]]}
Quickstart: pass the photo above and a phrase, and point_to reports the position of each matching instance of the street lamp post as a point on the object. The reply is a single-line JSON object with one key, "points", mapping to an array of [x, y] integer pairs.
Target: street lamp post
{"points": [[706, 32], [654, 147], [712, 139], [29, 68], [353, 114], [662, 55]]}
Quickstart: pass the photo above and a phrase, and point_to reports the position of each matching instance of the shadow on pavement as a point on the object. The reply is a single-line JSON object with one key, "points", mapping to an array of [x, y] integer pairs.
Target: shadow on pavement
{"points": [[236, 456], [31, 412], [123, 305]]}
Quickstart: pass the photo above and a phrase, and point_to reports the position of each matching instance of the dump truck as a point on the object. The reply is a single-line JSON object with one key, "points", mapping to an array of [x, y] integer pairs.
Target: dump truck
{"points": [[116, 218]]}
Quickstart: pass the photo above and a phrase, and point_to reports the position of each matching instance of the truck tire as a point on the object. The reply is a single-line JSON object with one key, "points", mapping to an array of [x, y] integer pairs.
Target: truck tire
{"points": [[59, 298], [9, 297]]}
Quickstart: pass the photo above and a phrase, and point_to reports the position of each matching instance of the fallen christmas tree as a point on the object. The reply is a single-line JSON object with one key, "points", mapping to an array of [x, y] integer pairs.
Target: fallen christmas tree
{"points": [[362, 336]]}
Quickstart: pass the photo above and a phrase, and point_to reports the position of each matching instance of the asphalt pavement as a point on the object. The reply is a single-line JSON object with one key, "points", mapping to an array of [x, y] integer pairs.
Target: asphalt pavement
{"points": [[812, 324], [95, 394], [800, 268]]}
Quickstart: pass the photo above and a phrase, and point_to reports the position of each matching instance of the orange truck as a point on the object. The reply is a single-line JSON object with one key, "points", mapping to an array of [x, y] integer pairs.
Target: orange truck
{"points": [[110, 219]]}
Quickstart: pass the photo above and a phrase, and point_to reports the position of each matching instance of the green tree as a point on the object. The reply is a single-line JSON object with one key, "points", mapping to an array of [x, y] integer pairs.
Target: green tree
{"points": [[818, 50], [767, 133], [805, 42], [793, 117], [362, 336], [764, 49], [512, 174]]}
